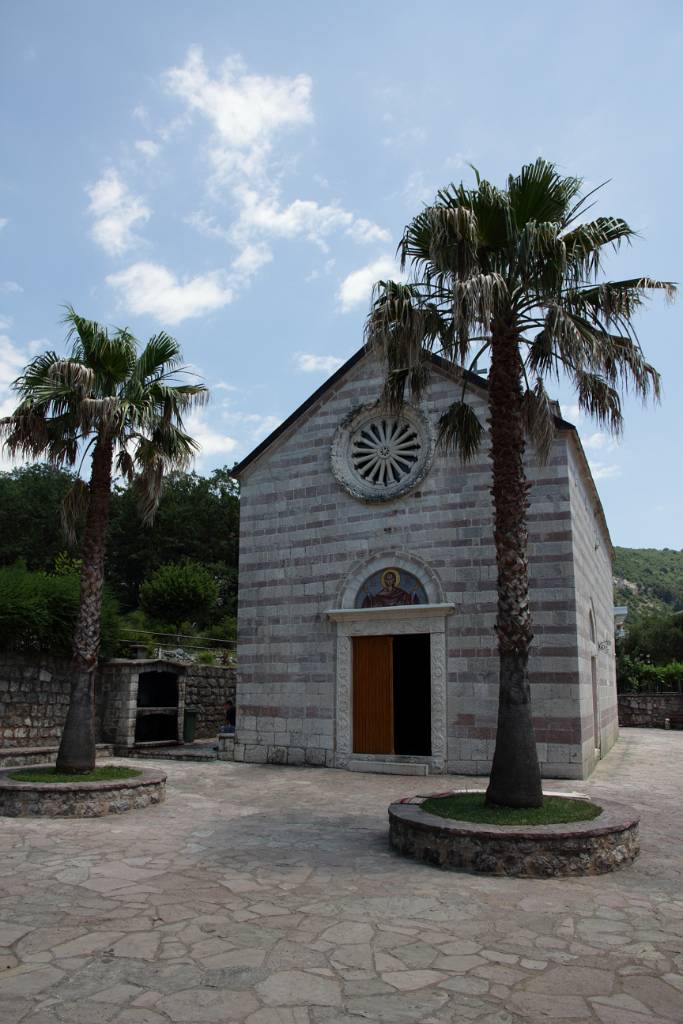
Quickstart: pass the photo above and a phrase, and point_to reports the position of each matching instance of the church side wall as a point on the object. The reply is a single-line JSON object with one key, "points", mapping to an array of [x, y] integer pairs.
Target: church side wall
{"points": [[301, 537], [593, 572]]}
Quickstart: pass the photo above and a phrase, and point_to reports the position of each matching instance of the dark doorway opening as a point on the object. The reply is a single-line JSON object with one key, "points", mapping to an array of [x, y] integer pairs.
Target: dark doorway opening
{"points": [[157, 690], [412, 695], [157, 710], [156, 726]]}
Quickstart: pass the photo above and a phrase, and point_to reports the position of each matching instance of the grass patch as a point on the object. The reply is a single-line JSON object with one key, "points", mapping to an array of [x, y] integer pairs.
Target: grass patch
{"points": [[556, 810], [106, 773]]}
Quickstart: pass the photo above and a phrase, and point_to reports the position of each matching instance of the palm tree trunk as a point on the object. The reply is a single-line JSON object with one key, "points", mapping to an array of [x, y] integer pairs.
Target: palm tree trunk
{"points": [[77, 747], [515, 775]]}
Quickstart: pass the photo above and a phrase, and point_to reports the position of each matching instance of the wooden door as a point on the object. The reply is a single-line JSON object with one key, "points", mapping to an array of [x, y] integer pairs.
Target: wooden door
{"points": [[373, 695]]}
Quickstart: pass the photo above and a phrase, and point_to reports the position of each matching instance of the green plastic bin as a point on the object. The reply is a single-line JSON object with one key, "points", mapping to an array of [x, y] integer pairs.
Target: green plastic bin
{"points": [[190, 724]]}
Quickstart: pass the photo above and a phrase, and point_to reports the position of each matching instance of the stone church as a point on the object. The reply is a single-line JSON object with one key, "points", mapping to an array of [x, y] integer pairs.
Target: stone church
{"points": [[367, 592]]}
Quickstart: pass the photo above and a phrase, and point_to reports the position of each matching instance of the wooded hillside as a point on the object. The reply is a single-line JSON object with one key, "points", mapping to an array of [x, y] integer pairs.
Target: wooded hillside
{"points": [[648, 580]]}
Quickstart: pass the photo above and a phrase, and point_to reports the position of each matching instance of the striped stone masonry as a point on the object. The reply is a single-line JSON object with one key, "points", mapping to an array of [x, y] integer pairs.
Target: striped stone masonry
{"points": [[304, 539]]}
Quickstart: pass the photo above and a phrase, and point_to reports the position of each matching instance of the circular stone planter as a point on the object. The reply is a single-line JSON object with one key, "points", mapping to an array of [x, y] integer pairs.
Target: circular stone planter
{"points": [[79, 799], [529, 851]]}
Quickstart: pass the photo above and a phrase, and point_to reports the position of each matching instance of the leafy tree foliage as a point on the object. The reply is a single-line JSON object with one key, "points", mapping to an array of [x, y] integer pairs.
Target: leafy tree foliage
{"points": [[197, 519], [178, 592], [30, 501], [38, 612], [657, 639]]}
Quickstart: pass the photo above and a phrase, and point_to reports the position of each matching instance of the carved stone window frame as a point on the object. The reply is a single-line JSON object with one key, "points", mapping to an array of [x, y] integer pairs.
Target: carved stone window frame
{"points": [[398, 621], [341, 460]]}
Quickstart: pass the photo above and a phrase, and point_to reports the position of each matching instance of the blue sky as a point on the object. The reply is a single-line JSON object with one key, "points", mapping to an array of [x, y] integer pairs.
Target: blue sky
{"points": [[239, 174]]}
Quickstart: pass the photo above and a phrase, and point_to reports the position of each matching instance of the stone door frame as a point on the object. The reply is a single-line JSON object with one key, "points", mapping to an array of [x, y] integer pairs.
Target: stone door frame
{"points": [[398, 621]]}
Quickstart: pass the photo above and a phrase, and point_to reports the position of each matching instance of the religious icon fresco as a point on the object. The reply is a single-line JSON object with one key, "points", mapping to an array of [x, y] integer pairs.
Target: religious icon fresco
{"points": [[390, 587]]}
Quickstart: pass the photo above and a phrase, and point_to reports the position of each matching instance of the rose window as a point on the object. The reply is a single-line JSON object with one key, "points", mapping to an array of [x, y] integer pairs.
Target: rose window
{"points": [[385, 451], [378, 455]]}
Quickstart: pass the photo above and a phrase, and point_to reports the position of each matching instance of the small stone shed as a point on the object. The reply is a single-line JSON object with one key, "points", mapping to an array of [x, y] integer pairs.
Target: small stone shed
{"points": [[137, 700], [367, 592]]}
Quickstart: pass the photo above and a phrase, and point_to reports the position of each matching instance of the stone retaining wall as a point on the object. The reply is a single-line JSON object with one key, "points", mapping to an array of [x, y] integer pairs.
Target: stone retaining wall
{"points": [[34, 698], [208, 687], [650, 710]]}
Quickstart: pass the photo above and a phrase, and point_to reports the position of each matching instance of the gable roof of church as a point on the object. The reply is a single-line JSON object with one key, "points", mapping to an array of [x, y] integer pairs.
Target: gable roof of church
{"points": [[446, 367]]}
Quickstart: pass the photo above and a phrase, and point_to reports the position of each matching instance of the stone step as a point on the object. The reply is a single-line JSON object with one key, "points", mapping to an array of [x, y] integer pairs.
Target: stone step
{"points": [[389, 767], [182, 753]]}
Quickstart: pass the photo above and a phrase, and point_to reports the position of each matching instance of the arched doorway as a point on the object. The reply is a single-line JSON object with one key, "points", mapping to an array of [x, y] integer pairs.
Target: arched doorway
{"points": [[391, 667]]}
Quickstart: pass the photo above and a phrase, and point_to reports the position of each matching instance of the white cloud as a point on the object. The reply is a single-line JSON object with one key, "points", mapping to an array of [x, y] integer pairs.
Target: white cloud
{"points": [[37, 345], [246, 114], [210, 440], [356, 288], [307, 362], [302, 218], [6, 322], [12, 361], [570, 412], [152, 288], [411, 136], [324, 271], [4, 221], [244, 110], [10, 288], [206, 225], [116, 211], [254, 255], [603, 471], [148, 147], [260, 425], [599, 441]]}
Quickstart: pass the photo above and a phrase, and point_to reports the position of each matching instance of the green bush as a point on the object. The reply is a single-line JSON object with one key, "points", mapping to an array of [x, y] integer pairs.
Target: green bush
{"points": [[38, 612], [635, 676], [180, 591]]}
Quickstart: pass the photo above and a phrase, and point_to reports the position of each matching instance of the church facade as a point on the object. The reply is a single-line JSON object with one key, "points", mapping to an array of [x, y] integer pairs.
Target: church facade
{"points": [[367, 592]]}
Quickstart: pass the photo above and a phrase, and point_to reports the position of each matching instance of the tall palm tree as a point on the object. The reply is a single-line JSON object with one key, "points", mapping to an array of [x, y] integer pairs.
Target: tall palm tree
{"points": [[515, 273], [126, 410]]}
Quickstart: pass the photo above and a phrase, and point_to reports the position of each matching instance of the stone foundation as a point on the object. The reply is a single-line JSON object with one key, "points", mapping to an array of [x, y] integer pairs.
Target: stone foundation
{"points": [[531, 851], [79, 799]]}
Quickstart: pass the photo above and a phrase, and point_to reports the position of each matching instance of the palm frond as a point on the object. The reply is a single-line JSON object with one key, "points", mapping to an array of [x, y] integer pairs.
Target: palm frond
{"points": [[400, 328], [125, 465], [540, 193], [599, 400], [160, 354], [584, 244], [539, 418], [460, 431], [74, 508]]}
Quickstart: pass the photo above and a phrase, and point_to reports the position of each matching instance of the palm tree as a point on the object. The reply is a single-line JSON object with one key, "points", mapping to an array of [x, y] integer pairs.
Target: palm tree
{"points": [[126, 410], [515, 273]]}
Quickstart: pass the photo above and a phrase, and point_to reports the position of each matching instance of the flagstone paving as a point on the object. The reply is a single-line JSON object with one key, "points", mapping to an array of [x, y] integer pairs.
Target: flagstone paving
{"points": [[269, 895]]}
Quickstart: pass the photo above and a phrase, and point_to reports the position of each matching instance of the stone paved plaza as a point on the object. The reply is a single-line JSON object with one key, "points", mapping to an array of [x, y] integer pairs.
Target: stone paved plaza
{"points": [[268, 895]]}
